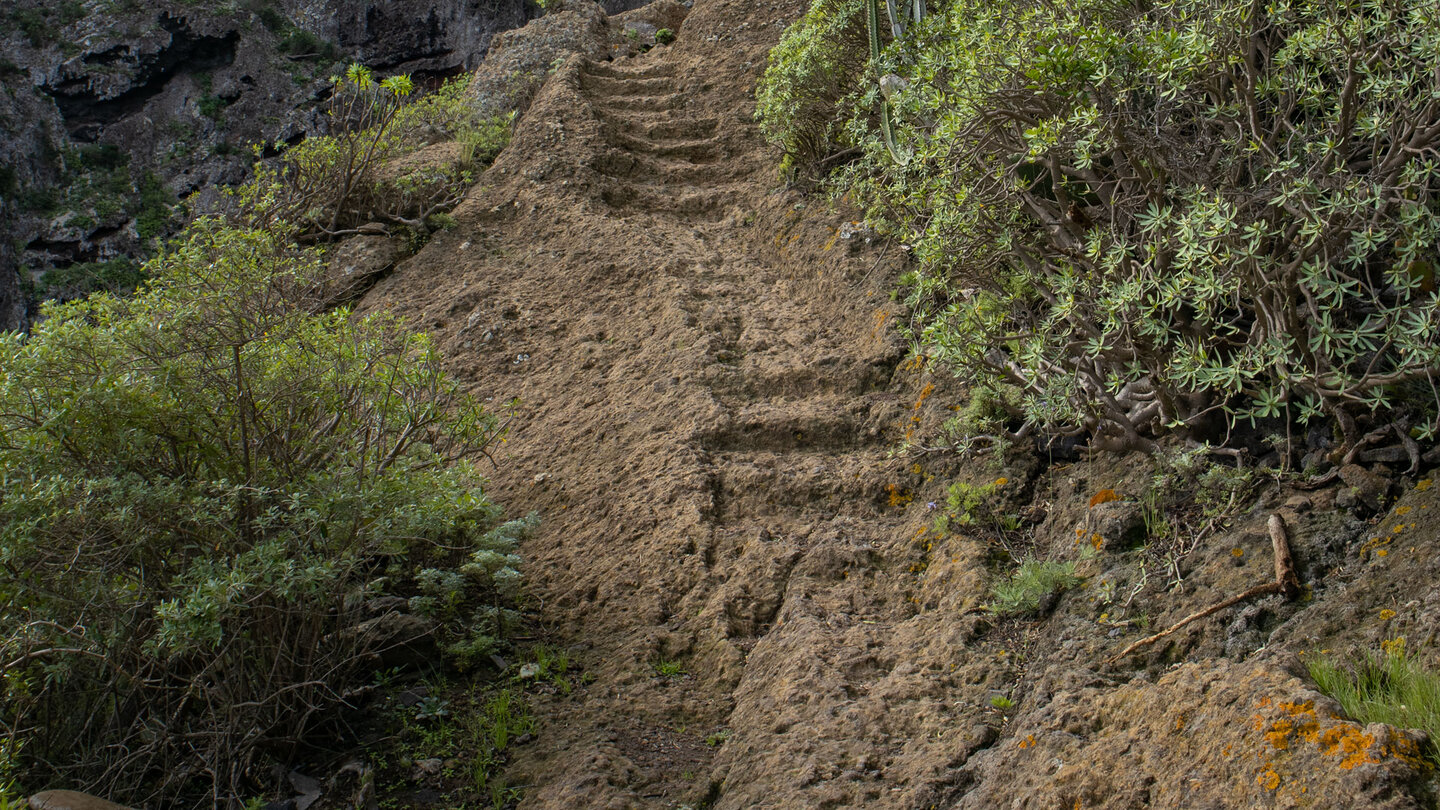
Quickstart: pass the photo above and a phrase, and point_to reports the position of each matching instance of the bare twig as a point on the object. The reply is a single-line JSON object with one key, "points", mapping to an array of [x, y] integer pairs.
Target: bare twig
{"points": [[1286, 583]]}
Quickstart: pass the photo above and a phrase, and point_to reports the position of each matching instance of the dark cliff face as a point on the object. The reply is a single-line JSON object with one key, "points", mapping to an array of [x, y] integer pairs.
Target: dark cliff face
{"points": [[411, 36], [112, 111]]}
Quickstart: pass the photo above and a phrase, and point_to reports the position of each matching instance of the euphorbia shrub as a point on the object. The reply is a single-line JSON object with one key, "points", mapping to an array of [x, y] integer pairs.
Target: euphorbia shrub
{"points": [[1187, 215]]}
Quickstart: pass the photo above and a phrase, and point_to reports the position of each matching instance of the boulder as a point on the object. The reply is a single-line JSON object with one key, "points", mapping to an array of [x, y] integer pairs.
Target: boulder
{"points": [[356, 264], [70, 800], [519, 61]]}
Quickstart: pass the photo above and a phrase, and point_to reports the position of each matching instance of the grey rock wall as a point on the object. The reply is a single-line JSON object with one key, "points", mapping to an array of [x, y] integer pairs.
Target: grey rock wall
{"points": [[100, 99]]}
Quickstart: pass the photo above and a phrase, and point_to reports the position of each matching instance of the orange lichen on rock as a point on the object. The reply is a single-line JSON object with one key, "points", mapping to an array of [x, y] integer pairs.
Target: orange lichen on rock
{"points": [[1285, 723], [1028, 742], [1350, 743], [899, 497], [1103, 496]]}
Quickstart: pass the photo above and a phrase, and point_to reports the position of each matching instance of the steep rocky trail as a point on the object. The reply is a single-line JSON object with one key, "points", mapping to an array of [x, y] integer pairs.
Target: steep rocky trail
{"points": [[704, 395], [710, 394]]}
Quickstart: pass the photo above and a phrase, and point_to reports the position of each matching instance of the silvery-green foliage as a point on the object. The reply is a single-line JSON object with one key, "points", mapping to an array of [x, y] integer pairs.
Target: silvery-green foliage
{"points": [[817, 62], [1185, 214]]}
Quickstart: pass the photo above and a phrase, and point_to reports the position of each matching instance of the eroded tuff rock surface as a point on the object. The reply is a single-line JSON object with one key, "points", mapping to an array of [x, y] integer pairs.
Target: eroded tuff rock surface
{"points": [[712, 393]]}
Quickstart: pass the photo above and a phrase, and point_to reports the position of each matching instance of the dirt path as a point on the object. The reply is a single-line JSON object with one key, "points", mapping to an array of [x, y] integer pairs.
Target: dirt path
{"points": [[705, 375]]}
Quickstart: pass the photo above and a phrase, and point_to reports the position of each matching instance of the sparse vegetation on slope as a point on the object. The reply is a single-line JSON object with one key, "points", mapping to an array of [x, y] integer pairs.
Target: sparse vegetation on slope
{"points": [[326, 187]]}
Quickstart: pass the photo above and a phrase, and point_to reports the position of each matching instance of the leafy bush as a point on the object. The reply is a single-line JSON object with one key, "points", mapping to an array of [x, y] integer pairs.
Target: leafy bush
{"points": [[1388, 687], [1028, 586], [326, 186], [204, 487], [1193, 215], [664, 36], [817, 62]]}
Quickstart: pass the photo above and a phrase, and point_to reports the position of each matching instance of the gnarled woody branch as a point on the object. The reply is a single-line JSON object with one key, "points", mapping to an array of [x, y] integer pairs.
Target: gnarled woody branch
{"points": [[1286, 582]]}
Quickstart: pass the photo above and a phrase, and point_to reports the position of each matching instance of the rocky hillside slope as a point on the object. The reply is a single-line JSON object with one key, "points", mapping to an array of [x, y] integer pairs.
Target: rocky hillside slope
{"points": [[111, 112], [711, 400]]}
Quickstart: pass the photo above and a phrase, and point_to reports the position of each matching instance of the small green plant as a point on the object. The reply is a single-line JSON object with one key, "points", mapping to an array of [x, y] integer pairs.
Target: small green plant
{"points": [[432, 707], [664, 36], [718, 738], [1002, 703], [665, 668], [975, 505], [1390, 686], [212, 107], [1025, 589]]}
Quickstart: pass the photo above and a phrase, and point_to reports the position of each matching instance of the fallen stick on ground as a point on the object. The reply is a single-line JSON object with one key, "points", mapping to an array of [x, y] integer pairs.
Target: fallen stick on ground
{"points": [[1286, 582]]}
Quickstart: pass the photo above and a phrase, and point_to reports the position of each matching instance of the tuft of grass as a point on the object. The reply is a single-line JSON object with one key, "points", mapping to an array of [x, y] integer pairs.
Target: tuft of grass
{"points": [[505, 717], [1002, 703], [1029, 584], [1385, 687], [669, 669]]}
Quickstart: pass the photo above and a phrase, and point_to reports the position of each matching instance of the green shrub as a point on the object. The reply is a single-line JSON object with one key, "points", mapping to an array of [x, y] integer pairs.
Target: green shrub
{"points": [[33, 24], [1028, 586], [1388, 687], [155, 210], [326, 186], [1195, 215], [817, 63], [212, 107], [204, 486], [664, 36]]}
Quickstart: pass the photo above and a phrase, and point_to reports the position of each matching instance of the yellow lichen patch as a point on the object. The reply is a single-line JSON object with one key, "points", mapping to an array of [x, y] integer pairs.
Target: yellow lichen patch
{"points": [[1406, 750], [1386, 615], [1268, 779], [1000, 482], [1284, 724], [1373, 544], [1028, 742], [1402, 511], [1424, 485], [1237, 552], [1096, 541]]}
